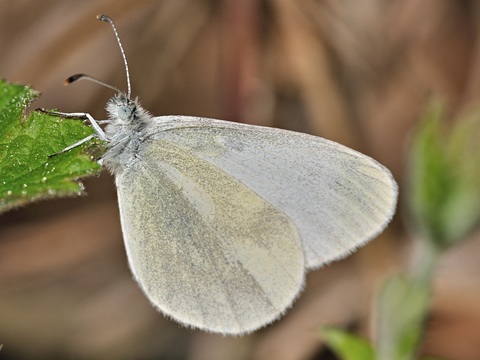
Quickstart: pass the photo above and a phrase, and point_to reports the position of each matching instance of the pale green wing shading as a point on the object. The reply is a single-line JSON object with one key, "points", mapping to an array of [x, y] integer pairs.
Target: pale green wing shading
{"points": [[337, 198], [205, 249]]}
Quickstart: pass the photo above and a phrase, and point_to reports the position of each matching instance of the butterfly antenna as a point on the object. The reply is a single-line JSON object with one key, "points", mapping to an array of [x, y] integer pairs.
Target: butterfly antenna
{"points": [[76, 77], [110, 21]]}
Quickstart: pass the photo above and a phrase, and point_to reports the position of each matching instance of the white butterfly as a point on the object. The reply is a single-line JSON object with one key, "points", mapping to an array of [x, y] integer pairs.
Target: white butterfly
{"points": [[222, 220]]}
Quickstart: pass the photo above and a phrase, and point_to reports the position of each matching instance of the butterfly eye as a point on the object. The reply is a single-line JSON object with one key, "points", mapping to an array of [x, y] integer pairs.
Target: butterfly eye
{"points": [[124, 112]]}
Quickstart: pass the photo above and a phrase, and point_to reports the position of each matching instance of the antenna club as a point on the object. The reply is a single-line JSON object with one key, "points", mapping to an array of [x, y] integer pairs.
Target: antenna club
{"points": [[73, 78], [105, 18]]}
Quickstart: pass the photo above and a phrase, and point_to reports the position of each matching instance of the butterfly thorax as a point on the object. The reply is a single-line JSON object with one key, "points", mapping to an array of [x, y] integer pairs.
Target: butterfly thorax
{"points": [[125, 132]]}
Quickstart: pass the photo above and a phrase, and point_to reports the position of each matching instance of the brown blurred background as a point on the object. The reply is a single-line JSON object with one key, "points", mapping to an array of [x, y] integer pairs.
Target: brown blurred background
{"points": [[357, 72]]}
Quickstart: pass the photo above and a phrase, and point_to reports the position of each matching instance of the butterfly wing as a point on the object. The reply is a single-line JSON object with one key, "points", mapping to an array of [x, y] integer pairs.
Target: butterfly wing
{"points": [[206, 249], [337, 198]]}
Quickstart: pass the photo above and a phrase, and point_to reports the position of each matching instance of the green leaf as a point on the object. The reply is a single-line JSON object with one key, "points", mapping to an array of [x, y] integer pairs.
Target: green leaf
{"points": [[402, 305], [444, 177], [347, 346], [29, 168]]}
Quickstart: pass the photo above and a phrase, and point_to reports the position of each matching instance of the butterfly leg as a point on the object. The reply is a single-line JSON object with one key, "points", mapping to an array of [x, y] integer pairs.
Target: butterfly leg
{"points": [[98, 130], [78, 143], [93, 122]]}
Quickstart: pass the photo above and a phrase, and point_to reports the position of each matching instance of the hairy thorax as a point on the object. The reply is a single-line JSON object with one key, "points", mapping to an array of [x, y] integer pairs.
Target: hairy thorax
{"points": [[126, 131]]}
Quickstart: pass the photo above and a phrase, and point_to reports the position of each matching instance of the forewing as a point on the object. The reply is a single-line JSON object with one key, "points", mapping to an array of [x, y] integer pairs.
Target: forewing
{"points": [[206, 250], [337, 198]]}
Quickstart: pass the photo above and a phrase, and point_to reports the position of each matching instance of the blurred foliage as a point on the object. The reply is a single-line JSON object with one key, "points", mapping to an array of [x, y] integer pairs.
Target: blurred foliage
{"points": [[443, 180], [29, 168], [347, 346], [444, 207], [402, 305]]}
